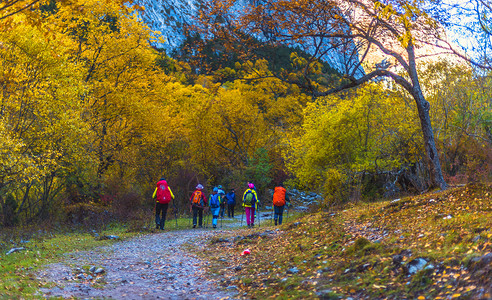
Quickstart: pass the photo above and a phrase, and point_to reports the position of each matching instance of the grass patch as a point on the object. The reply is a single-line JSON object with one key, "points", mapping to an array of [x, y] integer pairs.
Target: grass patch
{"points": [[18, 270]]}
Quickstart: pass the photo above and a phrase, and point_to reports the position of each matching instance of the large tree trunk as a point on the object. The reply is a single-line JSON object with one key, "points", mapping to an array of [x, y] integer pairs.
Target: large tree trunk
{"points": [[434, 165]]}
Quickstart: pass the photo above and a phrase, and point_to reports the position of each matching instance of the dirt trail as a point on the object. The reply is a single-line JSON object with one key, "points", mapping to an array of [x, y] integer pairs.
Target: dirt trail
{"points": [[154, 266]]}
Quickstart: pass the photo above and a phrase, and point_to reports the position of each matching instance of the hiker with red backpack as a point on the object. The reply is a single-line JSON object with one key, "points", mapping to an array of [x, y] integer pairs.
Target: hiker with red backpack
{"points": [[250, 198], [163, 196], [197, 204], [280, 199]]}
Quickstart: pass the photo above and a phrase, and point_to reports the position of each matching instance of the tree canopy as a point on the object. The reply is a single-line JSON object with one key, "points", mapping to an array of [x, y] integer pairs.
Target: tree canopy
{"points": [[372, 39], [92, 115]]}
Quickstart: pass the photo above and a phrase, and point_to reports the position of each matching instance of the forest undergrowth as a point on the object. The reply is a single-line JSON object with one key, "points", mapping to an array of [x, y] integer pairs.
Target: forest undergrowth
{"points": [[432, 246]]}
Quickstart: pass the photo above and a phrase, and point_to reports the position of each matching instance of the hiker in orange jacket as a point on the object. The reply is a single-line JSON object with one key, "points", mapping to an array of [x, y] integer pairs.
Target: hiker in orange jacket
{"points": [[280, 199], [162, 195]]}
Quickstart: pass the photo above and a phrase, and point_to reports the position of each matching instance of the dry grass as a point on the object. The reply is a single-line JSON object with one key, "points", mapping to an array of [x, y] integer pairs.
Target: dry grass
{"points": [[363, 251]]}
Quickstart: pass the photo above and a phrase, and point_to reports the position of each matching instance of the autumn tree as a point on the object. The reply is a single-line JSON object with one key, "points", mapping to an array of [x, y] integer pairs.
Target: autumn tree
{"points": [[43, 134], [113, 47], [462, 116], [81, 94], [347, 142], [372, 39], [226, 131]]}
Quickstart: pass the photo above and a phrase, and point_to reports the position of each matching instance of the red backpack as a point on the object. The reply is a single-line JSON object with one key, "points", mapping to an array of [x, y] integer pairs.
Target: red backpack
{"points": [[279, 196], [163, 193]]}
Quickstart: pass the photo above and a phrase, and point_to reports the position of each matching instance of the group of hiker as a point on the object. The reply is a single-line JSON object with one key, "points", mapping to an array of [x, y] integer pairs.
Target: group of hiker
{"points": [[217, 202]]}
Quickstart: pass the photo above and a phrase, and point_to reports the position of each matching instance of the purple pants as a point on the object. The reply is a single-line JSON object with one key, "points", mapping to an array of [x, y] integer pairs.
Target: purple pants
{"points": [[250, 215]]}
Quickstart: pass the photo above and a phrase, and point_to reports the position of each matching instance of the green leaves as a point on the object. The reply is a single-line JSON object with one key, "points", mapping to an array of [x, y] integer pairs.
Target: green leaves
{"points": [[368, 131]]}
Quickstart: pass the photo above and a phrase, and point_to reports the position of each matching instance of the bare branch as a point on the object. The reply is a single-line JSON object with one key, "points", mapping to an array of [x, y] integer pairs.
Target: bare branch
{"points": [[377, 73], [9, 4]]}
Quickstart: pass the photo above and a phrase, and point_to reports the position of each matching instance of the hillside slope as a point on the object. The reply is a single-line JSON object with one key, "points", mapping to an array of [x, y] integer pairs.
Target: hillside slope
{"points": [[432, 246]]}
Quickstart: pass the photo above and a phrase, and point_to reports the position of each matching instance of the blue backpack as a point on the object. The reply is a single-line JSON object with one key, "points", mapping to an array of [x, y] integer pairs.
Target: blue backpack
{"points": [[214, 201]]}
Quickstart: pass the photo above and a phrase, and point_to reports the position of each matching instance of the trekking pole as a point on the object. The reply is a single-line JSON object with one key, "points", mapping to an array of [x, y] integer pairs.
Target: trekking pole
{"points": [[273, 215], [259, 219], [175, 215], [206, 218], [287, 212], [242, 218], [191, 217]]}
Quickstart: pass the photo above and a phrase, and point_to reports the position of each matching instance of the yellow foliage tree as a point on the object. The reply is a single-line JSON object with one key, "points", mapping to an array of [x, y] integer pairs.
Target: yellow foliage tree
{"points": [[113, 46], [342, 139], [40, 113], [371, 39], [462, 114], [228, 124]]}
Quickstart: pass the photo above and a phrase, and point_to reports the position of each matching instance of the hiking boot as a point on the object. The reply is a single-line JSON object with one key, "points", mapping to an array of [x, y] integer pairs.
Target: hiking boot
{"points": [[156, 226], [215, 226], [194, 226], [200, 226]]}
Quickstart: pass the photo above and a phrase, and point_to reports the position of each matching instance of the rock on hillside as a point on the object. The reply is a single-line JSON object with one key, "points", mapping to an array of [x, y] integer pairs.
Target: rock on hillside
{"points": [[170, 17], [300, 200]]}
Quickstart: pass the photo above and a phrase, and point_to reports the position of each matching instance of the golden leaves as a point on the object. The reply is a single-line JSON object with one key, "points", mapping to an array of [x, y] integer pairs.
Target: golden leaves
{"points": [[333, 147]]}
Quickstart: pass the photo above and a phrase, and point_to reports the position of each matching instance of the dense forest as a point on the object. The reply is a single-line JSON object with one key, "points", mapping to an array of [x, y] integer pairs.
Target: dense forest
{"points": [[92, 114]]}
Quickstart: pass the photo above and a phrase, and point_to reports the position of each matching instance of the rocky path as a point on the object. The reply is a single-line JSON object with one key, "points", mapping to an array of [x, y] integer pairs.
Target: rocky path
{"points": [[154, 266]]}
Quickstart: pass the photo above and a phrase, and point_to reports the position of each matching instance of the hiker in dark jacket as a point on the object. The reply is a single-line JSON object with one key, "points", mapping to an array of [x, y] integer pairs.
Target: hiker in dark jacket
{"points": [[197, 204], [231, 203], [162, 195]]}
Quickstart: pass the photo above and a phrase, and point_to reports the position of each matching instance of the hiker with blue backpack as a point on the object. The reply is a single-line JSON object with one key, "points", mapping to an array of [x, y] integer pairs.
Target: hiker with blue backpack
{"points": [[231, 203], [197, 204], [214, 204], [250, 198]]}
